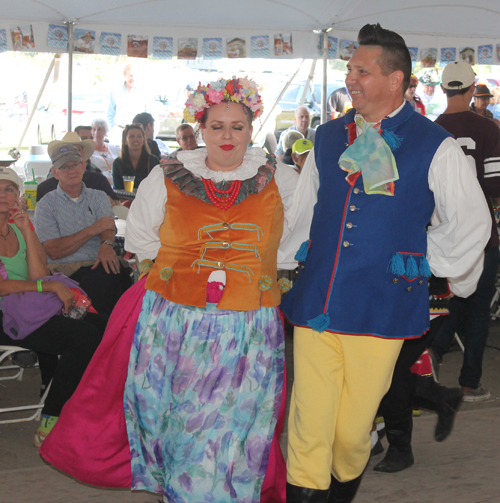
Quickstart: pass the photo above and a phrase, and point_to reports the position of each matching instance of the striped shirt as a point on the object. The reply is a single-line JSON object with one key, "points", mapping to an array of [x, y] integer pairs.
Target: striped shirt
{"points": [[58, 216]]}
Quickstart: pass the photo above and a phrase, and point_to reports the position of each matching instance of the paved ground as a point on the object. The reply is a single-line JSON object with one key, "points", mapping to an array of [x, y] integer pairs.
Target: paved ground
{"points": [[463, 469]]}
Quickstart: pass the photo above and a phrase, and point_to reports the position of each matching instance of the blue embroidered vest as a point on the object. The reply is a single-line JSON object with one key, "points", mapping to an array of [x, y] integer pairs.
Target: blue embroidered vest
{"points": [[364, 273]]}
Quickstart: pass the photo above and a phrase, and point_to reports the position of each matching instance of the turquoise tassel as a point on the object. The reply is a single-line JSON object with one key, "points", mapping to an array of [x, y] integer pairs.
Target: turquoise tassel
{"points": [[320, 323], [424, 268], [301, 255], [411, 268], [393, 140], [397, 265]]}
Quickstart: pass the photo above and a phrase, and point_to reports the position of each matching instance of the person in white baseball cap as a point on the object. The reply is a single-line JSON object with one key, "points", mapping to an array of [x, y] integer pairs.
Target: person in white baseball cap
{"points": [[458, 75]]}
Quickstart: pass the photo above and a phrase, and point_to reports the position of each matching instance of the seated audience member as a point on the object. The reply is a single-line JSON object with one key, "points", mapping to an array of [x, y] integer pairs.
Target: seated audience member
{"points": [[290, 138], [77, 229], [105, 153], [84, 144], [300, 151], [135, 159], [302, 120], [93, 178], [74, 341], [186, 138], [156, 146], [85, 133]]}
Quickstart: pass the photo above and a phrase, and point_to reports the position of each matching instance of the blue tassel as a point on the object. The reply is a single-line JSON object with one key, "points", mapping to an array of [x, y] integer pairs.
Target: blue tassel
{"points": [[320, 323], [424, 268], [396, 265], [301, 255], [411, 268], [392, 139]]}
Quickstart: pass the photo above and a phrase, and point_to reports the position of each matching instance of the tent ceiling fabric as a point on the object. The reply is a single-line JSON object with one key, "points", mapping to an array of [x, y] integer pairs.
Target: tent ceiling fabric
{"points": [[426, 23]]}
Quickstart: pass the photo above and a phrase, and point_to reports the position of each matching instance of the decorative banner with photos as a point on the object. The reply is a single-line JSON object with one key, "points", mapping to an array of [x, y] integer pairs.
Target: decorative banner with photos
{"points": [[84, 41], [187, 48], [212, 48], [23, 38], [260, 47], [283, 44], [3, 41], [57, 37], [332, 47], [347, 48], [428, 57], [236, 47], [110, 43], [137, 46], [467, 54], [163, 47], [448, 55], [485, 54], [413, 54]]}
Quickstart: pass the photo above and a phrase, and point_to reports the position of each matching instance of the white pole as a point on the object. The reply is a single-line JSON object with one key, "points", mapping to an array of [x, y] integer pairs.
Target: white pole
{"points": [[71, 45], [324, 88]]}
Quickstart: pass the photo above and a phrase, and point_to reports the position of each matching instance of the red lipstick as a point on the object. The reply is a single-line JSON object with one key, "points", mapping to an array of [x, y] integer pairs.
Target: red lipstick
{"points": [[227, 147]]}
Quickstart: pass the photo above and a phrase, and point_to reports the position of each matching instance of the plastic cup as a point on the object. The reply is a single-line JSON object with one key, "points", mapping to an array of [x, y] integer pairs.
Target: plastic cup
{"points": [[30, 190], [128, 183]]}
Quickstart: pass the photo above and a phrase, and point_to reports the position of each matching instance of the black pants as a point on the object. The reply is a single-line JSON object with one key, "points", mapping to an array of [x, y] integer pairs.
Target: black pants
{"points": [[103, 289], [75, 341], [398, 401]]}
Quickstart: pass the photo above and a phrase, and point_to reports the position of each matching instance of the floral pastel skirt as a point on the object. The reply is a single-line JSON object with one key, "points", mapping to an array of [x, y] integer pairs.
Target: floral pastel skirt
{"points": [[202, 397]]}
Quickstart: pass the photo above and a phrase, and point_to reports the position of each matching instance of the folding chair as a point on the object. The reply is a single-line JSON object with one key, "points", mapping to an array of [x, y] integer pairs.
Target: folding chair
{"points": [[6, 352]]}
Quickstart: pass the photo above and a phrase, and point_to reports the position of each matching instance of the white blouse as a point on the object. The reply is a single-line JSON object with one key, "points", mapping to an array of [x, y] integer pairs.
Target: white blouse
{"points": [[147, 212]]}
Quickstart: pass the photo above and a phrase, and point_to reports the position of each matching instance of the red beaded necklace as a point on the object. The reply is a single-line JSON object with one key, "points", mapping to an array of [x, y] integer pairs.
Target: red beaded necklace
{"points": [[216, 195]]}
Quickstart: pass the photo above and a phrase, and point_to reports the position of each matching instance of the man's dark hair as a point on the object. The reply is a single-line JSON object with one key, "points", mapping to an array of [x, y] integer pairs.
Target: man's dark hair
{"points": [[144, 118], [84, 128], [395, 55], [456, 92]]}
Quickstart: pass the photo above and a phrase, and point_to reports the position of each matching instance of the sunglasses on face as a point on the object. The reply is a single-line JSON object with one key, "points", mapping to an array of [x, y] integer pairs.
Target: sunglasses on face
{"points": [[412, 86]]}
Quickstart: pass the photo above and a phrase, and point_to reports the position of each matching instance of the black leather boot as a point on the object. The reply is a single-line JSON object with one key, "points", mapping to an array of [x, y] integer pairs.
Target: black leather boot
{"points": [[445, 401], [399, 454], [343, 492], [296, 494]]}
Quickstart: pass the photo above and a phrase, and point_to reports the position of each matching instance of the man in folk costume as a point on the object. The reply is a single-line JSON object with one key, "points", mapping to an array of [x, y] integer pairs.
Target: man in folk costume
{"points": [[373, 181]]}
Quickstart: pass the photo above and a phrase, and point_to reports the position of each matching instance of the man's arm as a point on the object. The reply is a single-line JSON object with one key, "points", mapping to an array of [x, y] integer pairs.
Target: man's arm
{"points": [[461, 223]]}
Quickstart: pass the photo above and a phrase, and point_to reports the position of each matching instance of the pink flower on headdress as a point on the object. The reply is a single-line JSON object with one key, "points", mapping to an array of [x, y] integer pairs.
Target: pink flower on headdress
{"points": [[215, 96]]}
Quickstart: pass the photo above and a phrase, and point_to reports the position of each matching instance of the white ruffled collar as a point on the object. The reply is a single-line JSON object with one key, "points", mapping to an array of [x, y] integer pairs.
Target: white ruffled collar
{"points": [[194, 161]]}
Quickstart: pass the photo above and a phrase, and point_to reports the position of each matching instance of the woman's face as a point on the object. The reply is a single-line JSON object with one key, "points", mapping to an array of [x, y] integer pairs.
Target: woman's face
{"points": [[227, 134], [98, 133], [9, 195], [135, 139]]}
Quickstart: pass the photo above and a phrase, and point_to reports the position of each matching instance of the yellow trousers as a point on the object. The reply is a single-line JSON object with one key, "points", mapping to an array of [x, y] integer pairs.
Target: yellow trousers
{"points": [[339, 382]]}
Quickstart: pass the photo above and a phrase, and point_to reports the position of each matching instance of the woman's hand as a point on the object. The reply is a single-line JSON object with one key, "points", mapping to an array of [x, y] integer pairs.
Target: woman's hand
{"points": [[62, 291], [20, 217]]}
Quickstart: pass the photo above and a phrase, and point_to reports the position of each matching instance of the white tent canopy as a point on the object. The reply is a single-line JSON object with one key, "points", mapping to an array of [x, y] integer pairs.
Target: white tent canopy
{"points": [[427, 23]]}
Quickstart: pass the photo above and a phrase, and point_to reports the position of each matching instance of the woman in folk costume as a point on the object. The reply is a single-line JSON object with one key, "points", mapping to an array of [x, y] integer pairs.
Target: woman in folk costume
{"points": [[203, 395]]}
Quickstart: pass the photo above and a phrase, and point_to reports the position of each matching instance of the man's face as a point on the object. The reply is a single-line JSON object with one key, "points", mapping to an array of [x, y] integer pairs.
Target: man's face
{"points": [[150, 130], [429, 90], [129, 78], [85, 134], [70, 174], [302, 120], [371, 91], [187, 139], [481, 103]]}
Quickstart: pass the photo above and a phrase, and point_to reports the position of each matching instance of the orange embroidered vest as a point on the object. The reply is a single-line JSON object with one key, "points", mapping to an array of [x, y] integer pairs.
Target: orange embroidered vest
{"points": [[198, 238]]}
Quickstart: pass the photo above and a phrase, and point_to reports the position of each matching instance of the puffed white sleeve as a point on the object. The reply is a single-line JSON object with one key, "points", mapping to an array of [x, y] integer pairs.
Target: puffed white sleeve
{"points": [[299, 214], [147, 212], [461, 223]]}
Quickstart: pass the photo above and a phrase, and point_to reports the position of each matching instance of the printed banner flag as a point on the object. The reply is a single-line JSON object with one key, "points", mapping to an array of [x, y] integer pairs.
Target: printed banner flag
{"points": [[84, 41], [332, 47], [187, 48], [467, 54], [57, 36], [413, 54], [448, 55], [212, 48], [347, 48], [3, 40], [428, 57], [283, 44], [236, 47], [23, 38], [259, 46], [485, 54], [110, 43], [137, 46], [163, 47]]}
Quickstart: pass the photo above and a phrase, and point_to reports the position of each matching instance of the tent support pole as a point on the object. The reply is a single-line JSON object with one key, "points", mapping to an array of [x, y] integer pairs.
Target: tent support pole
{"points": [[71, 46], [324, 88]]}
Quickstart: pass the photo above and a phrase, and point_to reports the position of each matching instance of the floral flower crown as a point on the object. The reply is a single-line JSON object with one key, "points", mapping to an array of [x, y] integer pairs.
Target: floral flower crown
{"points": [[242, 91]]}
